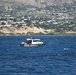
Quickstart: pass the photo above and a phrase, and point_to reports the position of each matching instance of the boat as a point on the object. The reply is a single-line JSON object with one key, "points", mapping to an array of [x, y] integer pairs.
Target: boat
{"points": [[32, 42]]}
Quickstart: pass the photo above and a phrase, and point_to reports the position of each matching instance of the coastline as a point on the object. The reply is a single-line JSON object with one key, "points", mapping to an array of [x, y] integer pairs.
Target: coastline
{"points": [[22, 31], [33, 34]]}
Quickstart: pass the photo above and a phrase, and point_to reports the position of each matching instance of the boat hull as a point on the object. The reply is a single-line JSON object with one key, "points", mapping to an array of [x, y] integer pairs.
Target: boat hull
{"points": [[26, 45]]}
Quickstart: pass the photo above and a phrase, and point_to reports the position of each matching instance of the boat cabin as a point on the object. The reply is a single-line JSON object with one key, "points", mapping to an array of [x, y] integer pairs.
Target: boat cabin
{"points": [[33, 41]]}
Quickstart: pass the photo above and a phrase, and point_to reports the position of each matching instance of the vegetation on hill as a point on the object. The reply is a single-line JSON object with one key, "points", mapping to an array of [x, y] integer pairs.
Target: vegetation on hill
{"points": [[58, 16]]}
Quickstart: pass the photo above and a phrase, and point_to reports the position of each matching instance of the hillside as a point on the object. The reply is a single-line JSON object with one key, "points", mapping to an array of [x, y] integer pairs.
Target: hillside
{"points": [[35, 2], [38, 16]]}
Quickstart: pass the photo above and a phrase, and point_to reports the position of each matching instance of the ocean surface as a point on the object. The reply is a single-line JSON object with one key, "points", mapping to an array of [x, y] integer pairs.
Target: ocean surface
{"points": [[56, 57]]}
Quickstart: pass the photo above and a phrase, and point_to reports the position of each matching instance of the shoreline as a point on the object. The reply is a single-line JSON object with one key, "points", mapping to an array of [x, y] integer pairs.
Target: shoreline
{"points": [[36, 34], [22, 31]]}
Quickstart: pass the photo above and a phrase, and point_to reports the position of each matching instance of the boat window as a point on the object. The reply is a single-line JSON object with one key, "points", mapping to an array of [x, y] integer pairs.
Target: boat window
{"points": [[29, 42], [35, 40]]}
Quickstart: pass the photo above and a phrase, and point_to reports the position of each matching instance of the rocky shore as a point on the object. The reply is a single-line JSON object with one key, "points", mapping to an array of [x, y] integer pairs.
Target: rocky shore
{"points": [[24, 30], [13, 30]]}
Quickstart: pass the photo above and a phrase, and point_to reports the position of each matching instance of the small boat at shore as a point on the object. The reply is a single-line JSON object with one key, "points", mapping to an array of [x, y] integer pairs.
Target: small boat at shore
{"points": [[32, 42]]}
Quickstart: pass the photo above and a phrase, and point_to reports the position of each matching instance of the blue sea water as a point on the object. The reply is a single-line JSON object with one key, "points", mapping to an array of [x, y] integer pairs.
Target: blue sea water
{"points": [[56, 57]]}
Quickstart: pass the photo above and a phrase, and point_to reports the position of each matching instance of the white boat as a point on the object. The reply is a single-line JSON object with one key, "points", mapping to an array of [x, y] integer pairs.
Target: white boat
{"points": [[32, 42]]}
